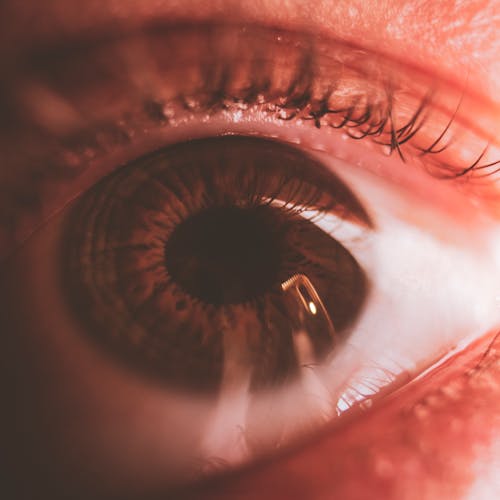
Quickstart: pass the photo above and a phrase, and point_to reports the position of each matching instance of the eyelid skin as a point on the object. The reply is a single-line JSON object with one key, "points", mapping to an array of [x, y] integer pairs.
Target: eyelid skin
{"points": [[449, 38]]}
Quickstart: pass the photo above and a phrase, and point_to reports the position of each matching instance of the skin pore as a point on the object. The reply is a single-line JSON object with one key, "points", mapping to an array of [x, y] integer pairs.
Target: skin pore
{"points": [[439, 438]]}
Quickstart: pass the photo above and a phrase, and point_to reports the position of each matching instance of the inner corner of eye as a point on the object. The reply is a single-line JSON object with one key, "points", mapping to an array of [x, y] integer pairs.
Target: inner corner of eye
{"points": [[203, 268]]}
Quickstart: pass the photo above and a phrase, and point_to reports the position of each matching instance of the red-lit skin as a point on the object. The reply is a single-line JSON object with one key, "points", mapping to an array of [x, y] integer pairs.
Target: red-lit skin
{"points": [[425, 443]]}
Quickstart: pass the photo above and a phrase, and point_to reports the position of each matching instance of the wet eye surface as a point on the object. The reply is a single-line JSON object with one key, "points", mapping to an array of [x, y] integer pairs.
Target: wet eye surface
{"points": [[181, 262], [220, 300]]}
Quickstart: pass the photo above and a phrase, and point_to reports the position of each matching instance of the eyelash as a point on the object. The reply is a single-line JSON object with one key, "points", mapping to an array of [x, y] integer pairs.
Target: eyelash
{"points": [[373, 119], [376, 119], [374, 107]]}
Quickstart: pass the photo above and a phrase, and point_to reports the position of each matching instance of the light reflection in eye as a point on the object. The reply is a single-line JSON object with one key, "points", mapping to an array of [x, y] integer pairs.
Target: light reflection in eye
{"points": [[356, 387]]}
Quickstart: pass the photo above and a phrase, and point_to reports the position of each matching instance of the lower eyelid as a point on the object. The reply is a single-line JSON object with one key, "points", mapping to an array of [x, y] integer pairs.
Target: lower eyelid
{"points": [[402, 445]]}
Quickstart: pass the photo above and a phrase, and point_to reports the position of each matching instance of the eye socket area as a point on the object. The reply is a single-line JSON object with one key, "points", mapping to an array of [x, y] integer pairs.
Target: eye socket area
{"points": [[61, 354]]}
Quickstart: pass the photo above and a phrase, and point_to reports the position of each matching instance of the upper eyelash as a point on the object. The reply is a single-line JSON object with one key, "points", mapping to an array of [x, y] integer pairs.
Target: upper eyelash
{"points": [[301, 105], [373, 118]]}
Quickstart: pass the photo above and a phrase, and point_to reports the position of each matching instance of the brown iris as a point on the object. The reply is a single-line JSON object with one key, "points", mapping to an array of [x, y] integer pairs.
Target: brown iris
{"points": [[176, 262]]}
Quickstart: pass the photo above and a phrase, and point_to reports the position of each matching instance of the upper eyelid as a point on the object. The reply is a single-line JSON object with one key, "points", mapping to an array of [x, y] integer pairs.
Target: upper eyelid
{"points": [[44, 61], [338, 58]]}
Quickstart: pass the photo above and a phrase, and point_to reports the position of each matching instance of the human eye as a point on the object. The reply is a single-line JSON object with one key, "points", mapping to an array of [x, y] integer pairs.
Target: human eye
{"points": [[105, 126]]}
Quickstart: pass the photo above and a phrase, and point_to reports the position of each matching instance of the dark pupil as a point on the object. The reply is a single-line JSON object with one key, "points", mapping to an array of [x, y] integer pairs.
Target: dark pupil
{"points": [[225, 255]]}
